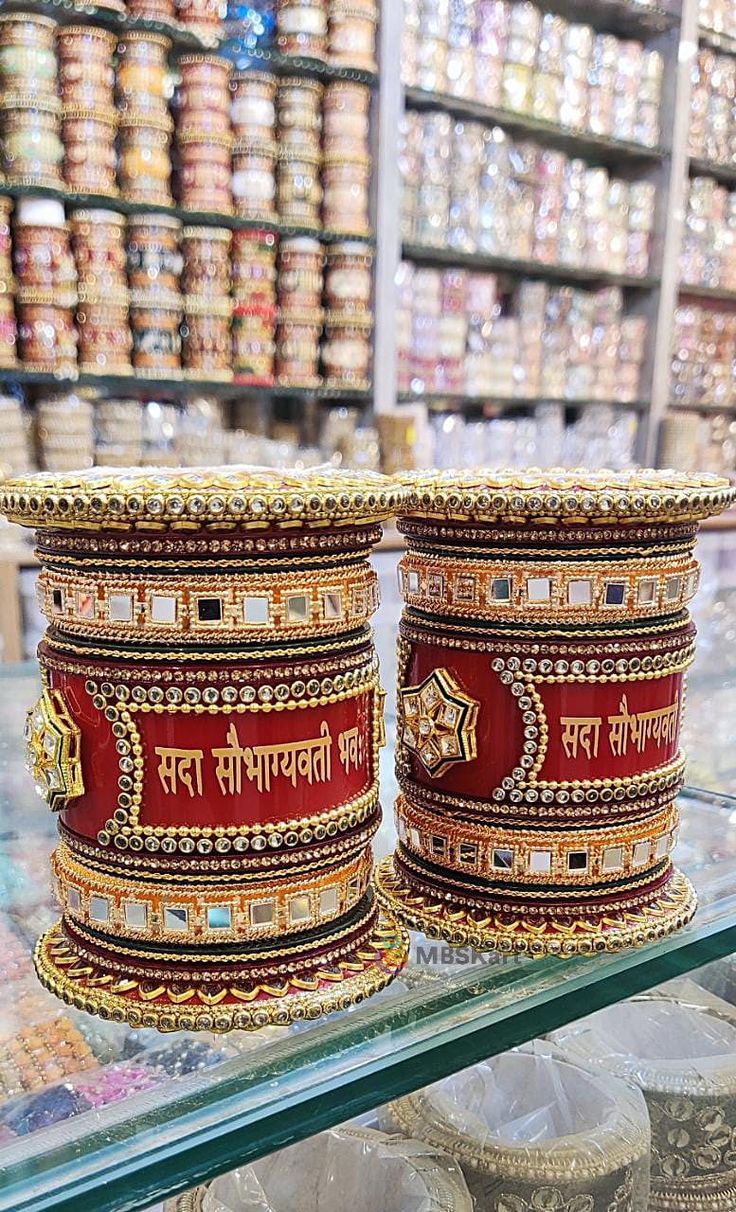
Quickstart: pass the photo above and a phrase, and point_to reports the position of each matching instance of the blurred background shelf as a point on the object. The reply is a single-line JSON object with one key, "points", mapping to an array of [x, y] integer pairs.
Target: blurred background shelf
{"points": [[464, 402], [141, 386], [426, 255], [597, 149]]}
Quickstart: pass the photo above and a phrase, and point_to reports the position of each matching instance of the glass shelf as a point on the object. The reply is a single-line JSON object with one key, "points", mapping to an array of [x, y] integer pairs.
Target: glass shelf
{"points": [[725, 173], [136, 386], [422, 254], [444, 400], [596, 148], [450, 1009], [701, 406], [184, 40]]}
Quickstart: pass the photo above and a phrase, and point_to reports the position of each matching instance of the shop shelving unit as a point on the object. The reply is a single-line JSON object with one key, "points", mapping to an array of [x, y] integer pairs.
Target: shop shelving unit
{"points": [[692, 37], [675, 35], [184, 41]]}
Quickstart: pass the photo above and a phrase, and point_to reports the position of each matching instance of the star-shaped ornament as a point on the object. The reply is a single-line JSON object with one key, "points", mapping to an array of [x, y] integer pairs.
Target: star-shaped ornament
{"points": [[439, 722], [52, 749]]}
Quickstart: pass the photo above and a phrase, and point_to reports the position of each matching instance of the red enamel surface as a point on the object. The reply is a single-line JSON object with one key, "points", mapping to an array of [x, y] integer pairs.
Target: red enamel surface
{"points": [[603, 700], [499, 728], [206, 732]]}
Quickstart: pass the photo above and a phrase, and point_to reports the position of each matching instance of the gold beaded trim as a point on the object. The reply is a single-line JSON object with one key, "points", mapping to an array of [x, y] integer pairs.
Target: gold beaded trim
{"points": [[220, 498], [470, 637], [606, 803], [422, 533], [159, 563], [557, 494], [288, 543], [574, 592], [212, 913], [279, 651], [668, 910], [370, 967], [503, 543], [201, 608], [538, 856], [700, 1195], [618, 1143], [215, 861], [345, 668]]}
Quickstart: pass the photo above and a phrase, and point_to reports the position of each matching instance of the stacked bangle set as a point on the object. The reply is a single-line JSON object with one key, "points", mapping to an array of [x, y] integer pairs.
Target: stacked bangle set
{"points": [[211, 716]]}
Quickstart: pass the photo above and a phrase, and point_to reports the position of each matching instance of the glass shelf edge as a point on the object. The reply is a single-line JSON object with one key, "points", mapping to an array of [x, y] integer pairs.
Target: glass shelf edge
{"points": [[724, 173], [189, 218], [364, 1060], [706, 292], [462, 402], [139, 386], [237, 1135]]}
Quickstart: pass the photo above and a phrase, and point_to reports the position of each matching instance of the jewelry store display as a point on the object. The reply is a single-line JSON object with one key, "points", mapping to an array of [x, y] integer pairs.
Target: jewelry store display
{"points": [[459, 330], [146, 126], [95, 1087], [65, 431], [46, 286], [208, 653], [532, 1132], [473, 188], [30, 109], [708, 256], [703, 351], [679, 1050], [542, 653], [527, 61], [133, 118], [712, 134], [361, 1167]]}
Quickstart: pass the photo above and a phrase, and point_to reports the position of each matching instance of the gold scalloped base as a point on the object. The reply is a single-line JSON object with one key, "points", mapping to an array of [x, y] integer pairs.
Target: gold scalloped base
{"points": [[669, 911], [75, 980]]}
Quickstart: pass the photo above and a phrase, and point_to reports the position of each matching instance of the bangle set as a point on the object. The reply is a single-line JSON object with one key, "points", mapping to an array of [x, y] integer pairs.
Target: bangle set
{"points": [[211, 717], [542, 656], [209, 732]]}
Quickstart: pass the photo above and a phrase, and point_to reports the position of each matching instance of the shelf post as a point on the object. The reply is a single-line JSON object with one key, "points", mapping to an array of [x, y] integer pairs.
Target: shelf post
{"points": [[679, 47], [387, 205]]}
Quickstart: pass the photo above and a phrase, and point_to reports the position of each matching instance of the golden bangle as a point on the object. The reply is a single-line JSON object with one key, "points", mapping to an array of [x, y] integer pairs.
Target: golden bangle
{"points": [[538, 856], [569, 591], [573, 497], [178, 913], [136, 499], [523, 785], [197, 608], [362, 972], [339, 644], [288, 544]]}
